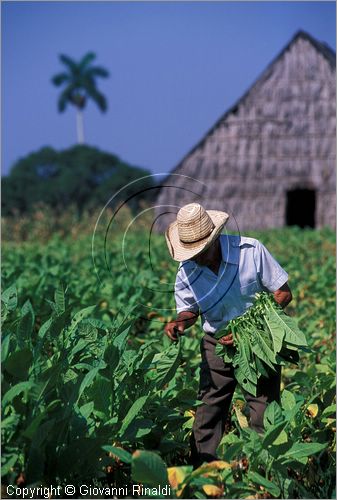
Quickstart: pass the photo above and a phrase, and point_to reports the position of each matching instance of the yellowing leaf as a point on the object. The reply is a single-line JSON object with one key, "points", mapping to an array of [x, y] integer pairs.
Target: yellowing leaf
{"points": [[189, 413], [212, 491], [214, 466], [176, 476], [312, 410], [243, 421], [151, 314], [218, 464], [240, 404]]}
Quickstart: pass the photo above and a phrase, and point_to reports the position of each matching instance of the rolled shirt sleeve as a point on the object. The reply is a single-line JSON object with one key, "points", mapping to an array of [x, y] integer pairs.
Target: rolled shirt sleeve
{"points": [[271, 275], [184, 297]]}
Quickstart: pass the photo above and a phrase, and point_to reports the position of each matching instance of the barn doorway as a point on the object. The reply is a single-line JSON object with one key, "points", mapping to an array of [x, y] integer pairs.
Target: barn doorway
{"points": [[301, 204]]}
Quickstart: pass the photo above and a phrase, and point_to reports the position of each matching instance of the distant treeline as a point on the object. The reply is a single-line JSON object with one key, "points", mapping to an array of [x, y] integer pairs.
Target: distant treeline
{"points": [[80, 176]]}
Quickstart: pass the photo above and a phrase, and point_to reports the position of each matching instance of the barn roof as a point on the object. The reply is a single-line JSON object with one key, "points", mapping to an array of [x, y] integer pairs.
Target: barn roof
{"points": [[322, 47]]}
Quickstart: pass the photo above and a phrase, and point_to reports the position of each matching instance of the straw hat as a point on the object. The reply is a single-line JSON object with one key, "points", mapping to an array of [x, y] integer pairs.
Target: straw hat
{"points": [[193, 231]]}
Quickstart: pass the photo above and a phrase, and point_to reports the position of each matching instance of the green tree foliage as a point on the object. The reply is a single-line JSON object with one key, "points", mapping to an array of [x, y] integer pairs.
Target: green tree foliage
{"points": [[82, 175], [80, 85]]}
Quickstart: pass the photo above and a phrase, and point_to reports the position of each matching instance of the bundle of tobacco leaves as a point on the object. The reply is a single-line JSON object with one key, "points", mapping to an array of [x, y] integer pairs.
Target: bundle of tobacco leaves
{"points": [[263, 337]]}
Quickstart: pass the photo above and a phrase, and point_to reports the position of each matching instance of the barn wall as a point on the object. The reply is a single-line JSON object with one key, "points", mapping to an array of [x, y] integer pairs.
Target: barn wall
{"points": [[282, 136]]}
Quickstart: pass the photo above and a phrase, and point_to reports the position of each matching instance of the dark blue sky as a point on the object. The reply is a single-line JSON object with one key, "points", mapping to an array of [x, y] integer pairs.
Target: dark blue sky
{"points": [[175, 69]]}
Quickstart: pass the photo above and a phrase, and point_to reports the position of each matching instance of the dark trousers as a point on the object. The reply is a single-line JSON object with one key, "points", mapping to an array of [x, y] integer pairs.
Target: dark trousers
{"points": [[217, 385]]}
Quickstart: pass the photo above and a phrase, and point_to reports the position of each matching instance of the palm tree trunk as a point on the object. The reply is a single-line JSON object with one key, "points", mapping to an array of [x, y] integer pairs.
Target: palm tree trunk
{"points": [[79, 126]]}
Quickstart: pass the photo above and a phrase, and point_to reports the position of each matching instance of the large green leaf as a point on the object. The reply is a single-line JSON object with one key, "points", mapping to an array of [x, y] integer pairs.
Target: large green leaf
{"points": [[87, 409], [293, 334], [10, 423], [112, 358], [59, 298], [244, 382], [166, 364], [147, 467], [48, 380], [261, 349], [244, 361], [133, 412], [9, 297], [262, 481], [272, 433], [5, 347], [34, 425], [329, 410], [272, 415], [291, 414], [8, 462], [97, 323], [288, 400], [300, 451], [28, 308], [81, 345], [18, 363], [101, 394], [57, 325], [25, 326], [83, 313], [4, 314], [45, 328], [276, 330], [16, 390], [232, 451], [121, 335], [138, 428], [252, 443], [143, 358], [88, 380], [123, 455]]}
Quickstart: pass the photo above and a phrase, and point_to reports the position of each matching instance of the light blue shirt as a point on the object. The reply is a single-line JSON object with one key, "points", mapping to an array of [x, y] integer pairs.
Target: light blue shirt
{"points": [[246, 268]]}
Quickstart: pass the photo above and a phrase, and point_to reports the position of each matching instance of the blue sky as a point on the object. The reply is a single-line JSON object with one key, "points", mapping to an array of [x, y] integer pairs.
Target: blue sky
{"points": [[175, 68]]}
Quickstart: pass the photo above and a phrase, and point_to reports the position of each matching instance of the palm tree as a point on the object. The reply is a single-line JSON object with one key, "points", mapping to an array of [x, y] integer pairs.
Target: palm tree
{"points": [[80, 86]]}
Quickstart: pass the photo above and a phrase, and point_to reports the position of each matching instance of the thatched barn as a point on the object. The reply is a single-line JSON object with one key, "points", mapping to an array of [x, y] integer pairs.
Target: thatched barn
{"points": [[269, 161]]}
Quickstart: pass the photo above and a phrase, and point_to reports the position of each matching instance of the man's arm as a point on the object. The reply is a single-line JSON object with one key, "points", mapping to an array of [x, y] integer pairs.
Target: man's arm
{"points": [[184, 320]]}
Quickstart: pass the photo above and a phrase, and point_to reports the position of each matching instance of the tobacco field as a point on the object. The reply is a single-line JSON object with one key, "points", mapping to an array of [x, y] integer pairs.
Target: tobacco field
{"points": [[93, 392]]}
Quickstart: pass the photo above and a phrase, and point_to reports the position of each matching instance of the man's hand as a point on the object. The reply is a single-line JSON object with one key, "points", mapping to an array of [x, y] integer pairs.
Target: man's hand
{"points": [[226, 340], [283, 295], [174, 328]]}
